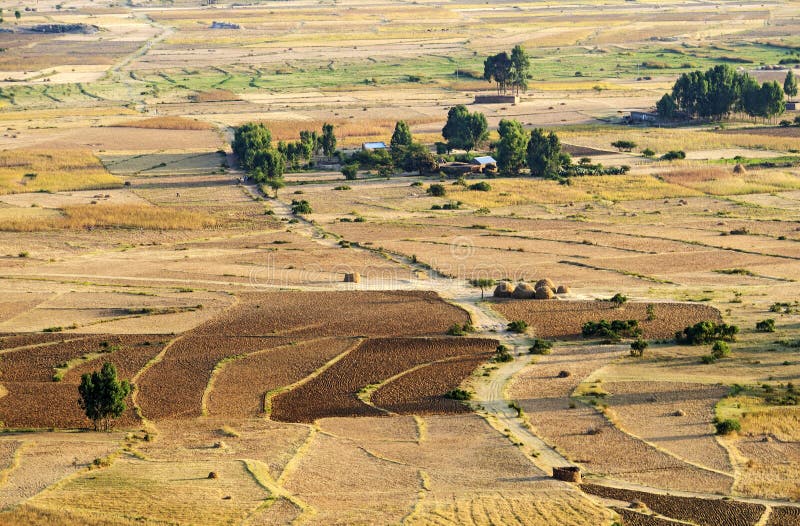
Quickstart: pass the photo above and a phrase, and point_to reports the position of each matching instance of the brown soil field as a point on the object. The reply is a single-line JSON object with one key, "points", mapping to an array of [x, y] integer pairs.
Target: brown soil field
{"points": [[34, 399], [778, 131], [335, 391], [648, 411], [166, 123], [420, 391], [784, 516], [173, 387], [705, 512], [768, 466], [133, 139], [564, 319], [634, 518], [240, 387], [344, 313]]}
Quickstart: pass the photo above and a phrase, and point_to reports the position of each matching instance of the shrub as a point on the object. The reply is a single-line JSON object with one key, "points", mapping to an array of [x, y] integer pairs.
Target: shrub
{"points": [[767, 325], [720, 349], [618, 299], [342, 187], [728, 426], [647, 152], [708, 359], [518, 326], [705, 332], [624, 146], [350, 171], [613, 330], [541, 346], [482, 186], [457, 329], [458, 394], [651, 312], [638, 347], [673, 155], [301, 207], [502, 355], [437, 190]]}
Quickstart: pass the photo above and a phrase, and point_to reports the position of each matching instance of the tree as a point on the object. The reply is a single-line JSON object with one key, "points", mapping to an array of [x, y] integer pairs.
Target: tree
{"points": [[512, 147], [482, 283], [248, 140], [350, 171], [401, 136], [436, 190], [417, 158], [497, 68], [464, 130], [666, 107], [308, 143], [544, 154], [624, 146], [301, 207], [268, 164], [328, 140], [275, 184], [103, 396], [790, 84], [638, 347], [520, 69], [17, 14]]}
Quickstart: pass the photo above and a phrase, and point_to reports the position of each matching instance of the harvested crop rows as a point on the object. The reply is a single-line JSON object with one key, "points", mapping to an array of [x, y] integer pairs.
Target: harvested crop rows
{"points": [[36, 399], [784, 516], [335, 391], [241, 386], [564, 319], [705, 512], [634, 518], [420, 391]]}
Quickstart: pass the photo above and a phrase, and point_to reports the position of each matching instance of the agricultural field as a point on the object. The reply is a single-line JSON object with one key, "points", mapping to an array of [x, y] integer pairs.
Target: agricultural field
{"points": [[328, 350]]}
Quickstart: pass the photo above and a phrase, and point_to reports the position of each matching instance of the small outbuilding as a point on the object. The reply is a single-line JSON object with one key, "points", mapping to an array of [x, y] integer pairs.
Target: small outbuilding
{"points": [[792, 106], [643, 116], [485, 163], [372, 146]]}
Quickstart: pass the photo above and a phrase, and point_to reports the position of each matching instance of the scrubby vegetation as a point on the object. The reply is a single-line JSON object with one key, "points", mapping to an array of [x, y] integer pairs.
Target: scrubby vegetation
{"points": [[706, 332]]}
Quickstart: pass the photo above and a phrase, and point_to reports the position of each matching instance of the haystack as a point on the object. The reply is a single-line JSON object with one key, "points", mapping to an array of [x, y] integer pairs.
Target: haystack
{"points": [[524, 292], [562, 289], [739, 169], [545, 283], [504, 289], [544, 293], [352, 277], [567, 474]]}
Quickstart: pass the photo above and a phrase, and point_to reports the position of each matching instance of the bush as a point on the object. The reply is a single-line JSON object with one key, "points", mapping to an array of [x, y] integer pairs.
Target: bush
{"points": [[502, 355], [767, 325], [350, 171], [728, 426], [673, 155], [518, 326], [708, 359], [624, 146], [482, 186], [437, 190], [613, 331], [342, 187], [541, 346], [638, 347], [706, 332], [458, 394], [647, 152], [457, 329], [301, 207], [618, 299], [720, 349]]}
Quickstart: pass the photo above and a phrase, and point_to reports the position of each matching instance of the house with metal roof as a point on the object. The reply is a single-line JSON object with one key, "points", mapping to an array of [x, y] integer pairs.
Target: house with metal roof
{"points": [[373, 146]]}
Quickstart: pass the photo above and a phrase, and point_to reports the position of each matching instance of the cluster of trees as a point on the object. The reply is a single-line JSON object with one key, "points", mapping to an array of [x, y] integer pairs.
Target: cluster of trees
{"points": [[509, 72], [721, 91], [102, 396], [252, 144], [405, 154]]}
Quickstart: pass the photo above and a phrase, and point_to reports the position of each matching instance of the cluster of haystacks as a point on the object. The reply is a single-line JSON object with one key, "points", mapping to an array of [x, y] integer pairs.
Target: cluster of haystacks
{"points": [[544, 289]]}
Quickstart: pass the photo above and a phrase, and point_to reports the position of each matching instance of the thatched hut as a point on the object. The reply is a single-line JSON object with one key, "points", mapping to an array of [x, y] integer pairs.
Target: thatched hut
{"points": [[504, 289], [524, 291], [545, 283], [562, 289]]}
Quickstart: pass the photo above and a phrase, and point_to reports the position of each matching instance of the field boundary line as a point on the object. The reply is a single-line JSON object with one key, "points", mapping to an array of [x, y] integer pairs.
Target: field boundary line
{"points": [[327, 365], [16, 458], [424, 489], [422, 429], [291, 466], [260, 473]]}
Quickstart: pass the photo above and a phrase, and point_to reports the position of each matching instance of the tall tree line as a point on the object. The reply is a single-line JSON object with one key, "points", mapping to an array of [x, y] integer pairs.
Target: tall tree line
{"points": [[509, 72]]}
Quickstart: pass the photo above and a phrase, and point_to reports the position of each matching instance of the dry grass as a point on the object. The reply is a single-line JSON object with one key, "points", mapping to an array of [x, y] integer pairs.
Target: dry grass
{"points": [[347, 131], [719, 181], [78, 217], [215, 95], [52, 170], [166, 123]]}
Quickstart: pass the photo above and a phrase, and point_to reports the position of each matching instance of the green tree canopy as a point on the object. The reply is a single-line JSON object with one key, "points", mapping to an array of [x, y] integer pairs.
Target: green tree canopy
{"points": [[512, 147], [248, 140], [464, 130], [520, 69], [666, 107], [103, 396], [790, 84], [401, 136], [328, 140], [268, 164], [544, 154], [497, 68]]}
